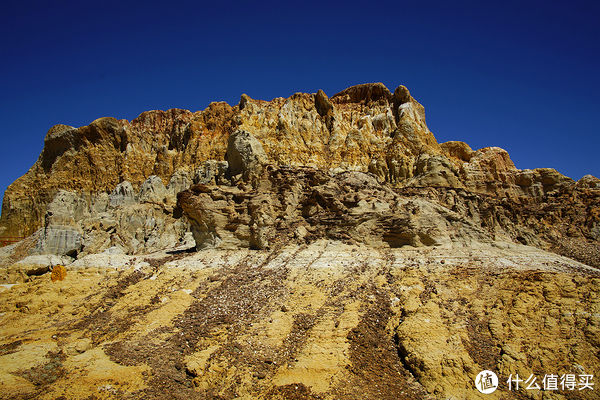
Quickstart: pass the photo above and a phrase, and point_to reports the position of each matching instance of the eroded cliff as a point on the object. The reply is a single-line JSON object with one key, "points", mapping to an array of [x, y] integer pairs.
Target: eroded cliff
{"points": [[300, 248], [364, 128]]}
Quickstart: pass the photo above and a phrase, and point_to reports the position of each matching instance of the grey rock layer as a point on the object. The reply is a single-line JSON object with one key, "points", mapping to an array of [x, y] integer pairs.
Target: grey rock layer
{"points": [[244, 153]]}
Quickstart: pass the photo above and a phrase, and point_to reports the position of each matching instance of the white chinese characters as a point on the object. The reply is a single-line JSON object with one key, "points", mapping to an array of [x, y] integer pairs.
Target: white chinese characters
{"points": [[551, 382]]}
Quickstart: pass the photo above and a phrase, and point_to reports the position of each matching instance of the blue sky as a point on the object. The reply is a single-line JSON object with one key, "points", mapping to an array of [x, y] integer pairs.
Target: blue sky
{"points": [[519, 75]]}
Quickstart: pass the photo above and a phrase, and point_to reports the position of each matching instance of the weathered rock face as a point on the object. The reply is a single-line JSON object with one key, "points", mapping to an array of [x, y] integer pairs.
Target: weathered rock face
{"points": [[348, 131], [345, 255], [115, 164], [153, 190], [96, 158], [564, 221], [244, 154], [301, 205], [124, 221], [491, 171], [324, 321], [122, 194]]}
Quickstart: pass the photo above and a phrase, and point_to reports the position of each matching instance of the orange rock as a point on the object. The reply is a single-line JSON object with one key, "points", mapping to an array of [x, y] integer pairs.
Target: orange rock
{"points": [[59, 273]]}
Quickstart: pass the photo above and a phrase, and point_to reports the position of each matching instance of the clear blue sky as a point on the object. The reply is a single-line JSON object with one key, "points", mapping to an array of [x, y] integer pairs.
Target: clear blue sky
{"points": [[521, 75]]}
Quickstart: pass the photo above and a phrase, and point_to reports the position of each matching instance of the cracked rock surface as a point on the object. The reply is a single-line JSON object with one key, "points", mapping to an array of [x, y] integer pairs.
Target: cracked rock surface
{"points": [[308, 247], [321, 321]]}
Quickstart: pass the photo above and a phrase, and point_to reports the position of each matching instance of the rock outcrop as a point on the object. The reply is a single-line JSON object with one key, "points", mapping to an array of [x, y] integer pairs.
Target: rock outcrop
{"points": [[112, 165], [244, 154], [323, 321], [94, 159], [491, 171], [300, 248], [125, 221], [348, 131], [302, 205]]}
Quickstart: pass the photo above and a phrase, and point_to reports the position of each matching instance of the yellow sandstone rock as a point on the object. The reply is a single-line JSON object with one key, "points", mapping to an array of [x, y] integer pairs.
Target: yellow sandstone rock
{"points": [[59, 273]]}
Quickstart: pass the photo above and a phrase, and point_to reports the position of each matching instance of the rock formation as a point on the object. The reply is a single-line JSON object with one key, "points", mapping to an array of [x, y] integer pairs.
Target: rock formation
{"points": [[96, 158], [320, 321], [364, 128], [301, 205], [309, 247], [244, 154]]}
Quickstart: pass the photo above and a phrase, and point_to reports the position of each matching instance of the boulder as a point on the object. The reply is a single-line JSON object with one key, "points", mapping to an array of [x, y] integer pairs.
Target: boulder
{"points": [[322, 104], [245, 153], [401, 95], [122, 195], [153, 190]]}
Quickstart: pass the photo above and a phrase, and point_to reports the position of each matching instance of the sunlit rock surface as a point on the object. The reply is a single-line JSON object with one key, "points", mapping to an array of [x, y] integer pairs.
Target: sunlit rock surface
{"points": [[309, 247]]}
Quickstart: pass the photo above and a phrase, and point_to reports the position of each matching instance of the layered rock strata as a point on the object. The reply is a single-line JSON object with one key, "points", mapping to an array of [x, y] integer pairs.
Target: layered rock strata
{"points": [[324, 321], [345, 254], [365, 126], [113, 183], [302, 205]]}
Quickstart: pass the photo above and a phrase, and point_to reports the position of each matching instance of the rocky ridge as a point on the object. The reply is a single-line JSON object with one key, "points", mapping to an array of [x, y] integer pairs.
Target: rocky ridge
{"points": [[120, 179], [363, 128], [302, 248]]}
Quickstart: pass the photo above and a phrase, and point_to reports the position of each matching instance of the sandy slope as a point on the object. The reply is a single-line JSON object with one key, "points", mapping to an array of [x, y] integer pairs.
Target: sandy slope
{"points": [[325, 321]]}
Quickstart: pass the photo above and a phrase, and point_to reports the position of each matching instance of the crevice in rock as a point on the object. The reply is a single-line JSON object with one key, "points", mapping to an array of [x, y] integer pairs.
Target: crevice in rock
{"points": [[375, 358], [403, 355]]}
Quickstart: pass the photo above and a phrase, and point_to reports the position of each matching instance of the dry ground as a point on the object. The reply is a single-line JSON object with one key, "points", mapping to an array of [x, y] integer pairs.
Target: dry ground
{"points": [[325, 321]]}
